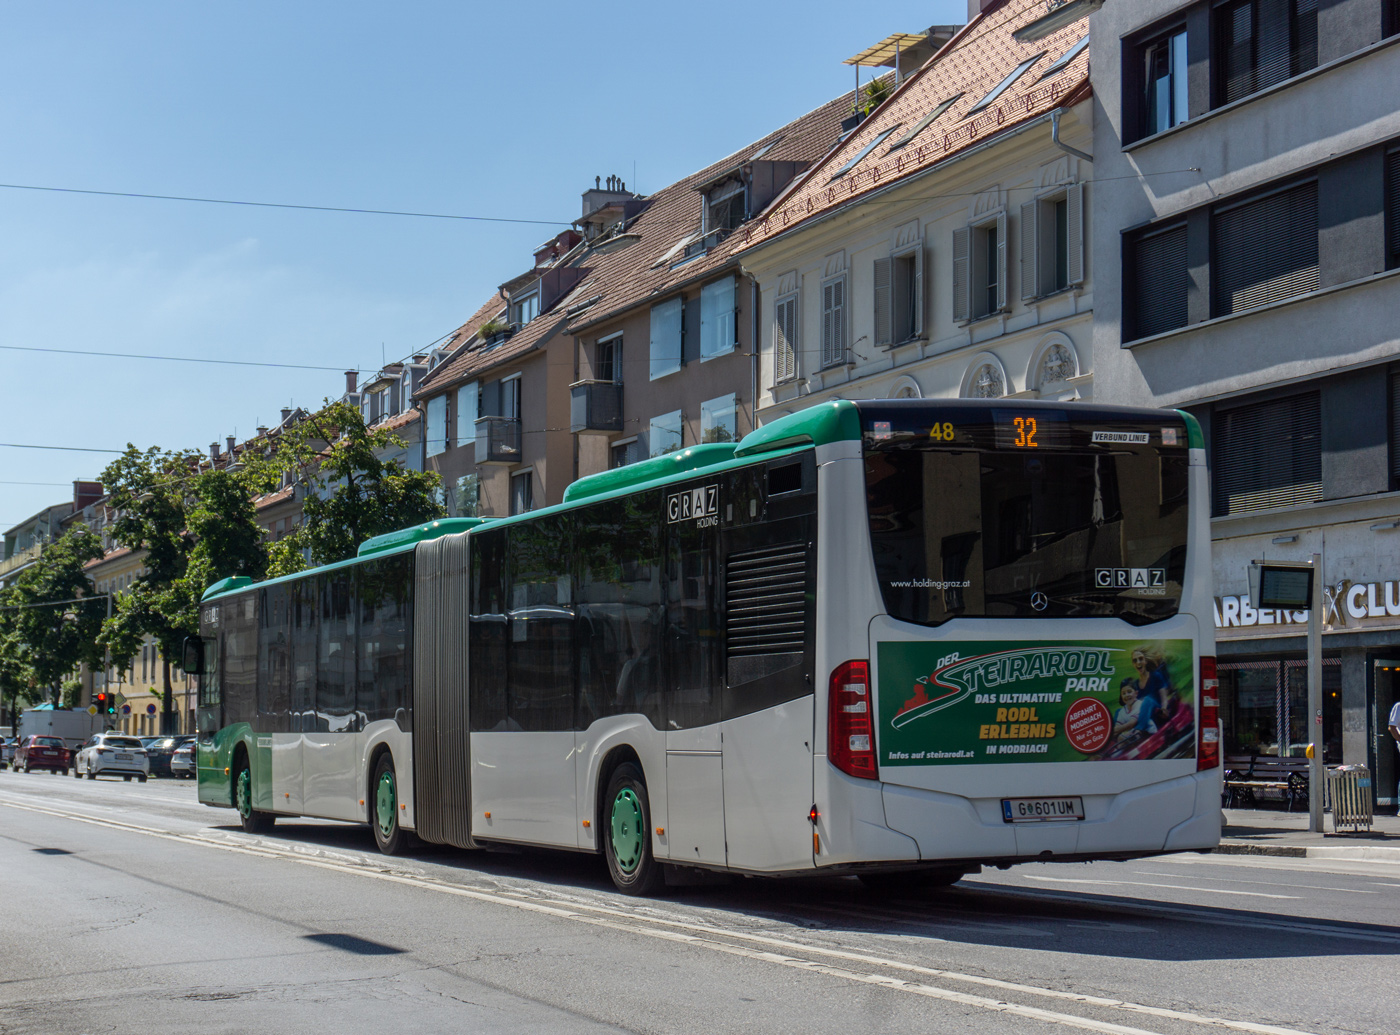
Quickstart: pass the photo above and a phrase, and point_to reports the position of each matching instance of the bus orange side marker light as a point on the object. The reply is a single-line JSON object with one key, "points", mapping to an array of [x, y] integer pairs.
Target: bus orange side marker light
{"points": [[488, 815], [661, 831], [288, 794], [586, 824], [403, 806], [362, 801], [225, 771]]}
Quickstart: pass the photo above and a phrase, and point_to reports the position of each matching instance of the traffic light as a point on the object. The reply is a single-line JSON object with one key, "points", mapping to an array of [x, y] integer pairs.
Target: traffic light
{"points": [[106, 703]]}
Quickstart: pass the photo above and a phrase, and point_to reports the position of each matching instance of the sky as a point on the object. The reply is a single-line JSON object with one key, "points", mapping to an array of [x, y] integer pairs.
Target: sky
{"points": [[505, 111]]}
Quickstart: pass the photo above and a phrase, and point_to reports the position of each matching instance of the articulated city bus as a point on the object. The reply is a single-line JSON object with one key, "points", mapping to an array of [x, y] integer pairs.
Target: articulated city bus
{"points": [[897, 639]]}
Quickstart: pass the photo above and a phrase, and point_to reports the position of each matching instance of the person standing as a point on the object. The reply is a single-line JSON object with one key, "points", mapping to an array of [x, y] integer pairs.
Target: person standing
{"points": [[1393, 724]]}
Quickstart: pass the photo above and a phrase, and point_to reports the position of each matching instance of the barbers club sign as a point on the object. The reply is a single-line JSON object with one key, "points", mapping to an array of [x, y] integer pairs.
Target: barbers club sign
{"points": [[1344, 604]]}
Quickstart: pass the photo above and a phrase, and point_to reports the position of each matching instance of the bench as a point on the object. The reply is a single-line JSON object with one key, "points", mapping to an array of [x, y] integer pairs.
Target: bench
{"points": [[1248, 776]]}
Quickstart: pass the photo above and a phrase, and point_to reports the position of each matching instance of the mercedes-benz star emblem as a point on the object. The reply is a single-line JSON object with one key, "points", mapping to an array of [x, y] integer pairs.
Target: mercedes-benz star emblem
{"points": [[1039, 601]]}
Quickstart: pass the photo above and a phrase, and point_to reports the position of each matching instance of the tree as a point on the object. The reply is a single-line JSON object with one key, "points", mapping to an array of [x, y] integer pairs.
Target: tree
{"points": [[55, 619], [351, 494], [197, 525]]}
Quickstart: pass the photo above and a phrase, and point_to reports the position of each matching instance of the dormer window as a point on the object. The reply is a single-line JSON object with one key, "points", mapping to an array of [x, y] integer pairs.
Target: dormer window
{"points": [[1004, 85], [725, 206], [525, 309]]}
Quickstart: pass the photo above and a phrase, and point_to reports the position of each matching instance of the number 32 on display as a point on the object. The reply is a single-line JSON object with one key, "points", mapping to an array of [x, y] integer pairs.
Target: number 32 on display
{"points": [[1025, 433]]}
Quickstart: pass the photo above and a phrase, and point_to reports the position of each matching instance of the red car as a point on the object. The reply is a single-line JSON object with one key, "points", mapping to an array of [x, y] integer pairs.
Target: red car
{"points": [[37, 752]]}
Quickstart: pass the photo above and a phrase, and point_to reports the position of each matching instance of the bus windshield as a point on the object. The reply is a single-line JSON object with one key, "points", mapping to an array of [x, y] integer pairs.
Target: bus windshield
{"points": [[1009, 510]]}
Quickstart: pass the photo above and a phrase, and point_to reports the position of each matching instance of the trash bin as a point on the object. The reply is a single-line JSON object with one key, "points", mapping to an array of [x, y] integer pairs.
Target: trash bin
{"points": [[1349, 787]]}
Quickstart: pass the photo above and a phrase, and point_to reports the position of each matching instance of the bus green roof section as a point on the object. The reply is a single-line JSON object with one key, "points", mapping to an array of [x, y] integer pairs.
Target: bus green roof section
{"points": [[658, 468], [417, 534], [837, 421]]}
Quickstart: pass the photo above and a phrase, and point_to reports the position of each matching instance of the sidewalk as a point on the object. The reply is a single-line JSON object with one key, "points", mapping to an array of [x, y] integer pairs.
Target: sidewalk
{"points": [[1275, 832]]}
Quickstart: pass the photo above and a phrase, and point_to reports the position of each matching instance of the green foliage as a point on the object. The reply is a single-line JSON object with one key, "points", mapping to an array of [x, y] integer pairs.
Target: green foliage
{"points": [[51, 628], [196, 526], [351, 495], [874, 95]]}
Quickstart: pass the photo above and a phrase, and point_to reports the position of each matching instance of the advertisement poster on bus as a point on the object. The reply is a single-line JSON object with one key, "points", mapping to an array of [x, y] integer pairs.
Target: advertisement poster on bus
{"points": [[989, 702]]}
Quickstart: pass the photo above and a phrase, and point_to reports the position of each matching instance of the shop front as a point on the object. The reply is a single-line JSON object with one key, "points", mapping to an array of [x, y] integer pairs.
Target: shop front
{"points": [[1262, 653]]}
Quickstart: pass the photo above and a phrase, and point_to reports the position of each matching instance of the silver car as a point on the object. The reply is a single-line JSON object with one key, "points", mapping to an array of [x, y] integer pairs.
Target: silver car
{"points": [[182, 761], [112, 754]]}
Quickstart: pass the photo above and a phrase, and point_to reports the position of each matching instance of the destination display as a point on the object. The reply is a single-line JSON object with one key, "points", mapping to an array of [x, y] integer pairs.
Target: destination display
{"points": [[988, 702]]}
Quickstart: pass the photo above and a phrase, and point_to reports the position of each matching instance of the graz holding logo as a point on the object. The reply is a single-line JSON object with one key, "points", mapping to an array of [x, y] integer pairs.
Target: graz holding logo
{"points": [[699, 505], [1130, 578]]}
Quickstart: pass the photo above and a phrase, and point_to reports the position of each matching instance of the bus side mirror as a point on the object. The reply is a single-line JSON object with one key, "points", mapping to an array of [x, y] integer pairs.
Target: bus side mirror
{"points": [[192, 656]]}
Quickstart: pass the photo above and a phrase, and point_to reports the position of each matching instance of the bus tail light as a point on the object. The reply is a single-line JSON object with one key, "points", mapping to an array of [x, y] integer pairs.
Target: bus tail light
{"points": [[1208, 744], [850, 726]]}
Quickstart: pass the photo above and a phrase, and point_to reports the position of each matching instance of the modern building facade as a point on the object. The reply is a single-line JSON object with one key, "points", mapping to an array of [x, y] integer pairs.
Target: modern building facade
{"points": [[1246, 216]]}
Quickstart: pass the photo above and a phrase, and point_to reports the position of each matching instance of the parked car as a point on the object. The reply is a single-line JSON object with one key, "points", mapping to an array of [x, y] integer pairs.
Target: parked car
{"points": [[7, 750], [160, 750], [182, 761], [36, 752], [112, 754]]}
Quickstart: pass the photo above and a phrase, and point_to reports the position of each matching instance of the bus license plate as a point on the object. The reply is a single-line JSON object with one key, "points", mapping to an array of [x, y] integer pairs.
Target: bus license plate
{"points": [[1041, 810]]}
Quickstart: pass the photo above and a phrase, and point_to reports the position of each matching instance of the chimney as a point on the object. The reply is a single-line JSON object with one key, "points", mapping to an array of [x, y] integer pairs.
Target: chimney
{"points": [[351, 378], [286, 412], [213, 452], [262, 431], [976, 7], [232, 442]]}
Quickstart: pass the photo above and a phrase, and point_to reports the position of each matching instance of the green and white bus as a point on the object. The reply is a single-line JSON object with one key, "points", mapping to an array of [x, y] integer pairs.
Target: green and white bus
{"points": [[899, 639]]}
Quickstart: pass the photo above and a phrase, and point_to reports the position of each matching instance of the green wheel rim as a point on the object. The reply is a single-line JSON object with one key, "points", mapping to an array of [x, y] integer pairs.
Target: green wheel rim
{"points": [[627, 833], [244, 793], [385, 802]]}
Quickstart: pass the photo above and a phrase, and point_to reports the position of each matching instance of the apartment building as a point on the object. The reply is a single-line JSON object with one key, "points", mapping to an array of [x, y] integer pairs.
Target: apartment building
{"points": [[1246, 216]]}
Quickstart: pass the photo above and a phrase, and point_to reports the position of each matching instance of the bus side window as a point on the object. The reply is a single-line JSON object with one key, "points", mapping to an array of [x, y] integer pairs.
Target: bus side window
{"points": [[692, 627], [274, 656], [240, 663], [335, 656], [305, 601], [540, 651], [487, 630], [385, 602]]}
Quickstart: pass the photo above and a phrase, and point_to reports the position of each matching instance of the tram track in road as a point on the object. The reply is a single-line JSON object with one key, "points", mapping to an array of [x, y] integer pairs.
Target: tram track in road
{"points": [[695, 930]]}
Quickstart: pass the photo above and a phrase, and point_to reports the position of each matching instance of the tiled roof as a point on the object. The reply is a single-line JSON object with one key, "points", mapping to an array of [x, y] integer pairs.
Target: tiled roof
{"points": [[480, 358], [642, 270], [399, 420], [972, 64], [273, 498]]}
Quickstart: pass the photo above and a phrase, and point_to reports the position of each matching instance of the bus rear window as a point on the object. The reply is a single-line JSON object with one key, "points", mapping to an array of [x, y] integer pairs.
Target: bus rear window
{"points": [[971, 524]]}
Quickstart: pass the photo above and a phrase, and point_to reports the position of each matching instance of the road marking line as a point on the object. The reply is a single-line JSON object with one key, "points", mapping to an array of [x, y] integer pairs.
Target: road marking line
{"points": [[1269, 883], [646, 926], [1148, 884]]}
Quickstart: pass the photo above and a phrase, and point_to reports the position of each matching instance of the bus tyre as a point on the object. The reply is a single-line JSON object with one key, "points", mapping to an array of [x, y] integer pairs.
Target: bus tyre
{"points": [[254, 822], [911, 882], [626, 833], [384, 808]]}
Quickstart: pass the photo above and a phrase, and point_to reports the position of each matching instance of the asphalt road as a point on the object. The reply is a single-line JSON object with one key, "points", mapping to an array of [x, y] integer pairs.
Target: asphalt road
{"points": [[132, 908]]}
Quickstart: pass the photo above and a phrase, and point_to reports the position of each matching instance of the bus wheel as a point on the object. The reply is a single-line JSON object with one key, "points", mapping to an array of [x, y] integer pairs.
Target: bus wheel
{"points": [[912, 882], [254, 822], [627, 841], [384, 809]]}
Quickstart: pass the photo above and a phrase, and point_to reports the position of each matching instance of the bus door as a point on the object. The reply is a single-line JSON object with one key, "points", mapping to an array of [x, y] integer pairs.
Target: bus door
{"points": [[768, 578], [694, 760]]}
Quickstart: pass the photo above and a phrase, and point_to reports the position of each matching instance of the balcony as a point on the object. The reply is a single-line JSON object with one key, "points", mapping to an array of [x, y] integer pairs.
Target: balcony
{"points": [[21, 559], [498, 440], [595, 407]]}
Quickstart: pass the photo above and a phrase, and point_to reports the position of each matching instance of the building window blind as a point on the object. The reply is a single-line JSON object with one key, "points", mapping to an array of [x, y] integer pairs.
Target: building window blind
{"points": [[834, 322], [1264, 250], [785, 339], [1392, 205], [1158, 280], [1395, 429], [1263, 42], [1268, 454]]}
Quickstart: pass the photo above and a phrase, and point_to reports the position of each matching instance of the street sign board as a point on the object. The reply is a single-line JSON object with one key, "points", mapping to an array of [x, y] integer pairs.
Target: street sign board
{"points": [[1287, 586]]}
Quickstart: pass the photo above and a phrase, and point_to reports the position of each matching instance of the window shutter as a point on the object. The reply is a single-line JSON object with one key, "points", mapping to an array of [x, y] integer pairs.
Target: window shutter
{"points": [[919, 290], [1001, 262], [1392, 162], [962, 281], [1074, 232], [1265, 250], [884, 288], [1395, 429], [784, 337], [1268, 455], [1030, 251], [838, 321], [1159, 281]]}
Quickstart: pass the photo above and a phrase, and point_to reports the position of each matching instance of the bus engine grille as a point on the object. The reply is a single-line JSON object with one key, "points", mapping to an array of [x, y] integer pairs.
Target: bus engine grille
{"points": [[766, 600]]}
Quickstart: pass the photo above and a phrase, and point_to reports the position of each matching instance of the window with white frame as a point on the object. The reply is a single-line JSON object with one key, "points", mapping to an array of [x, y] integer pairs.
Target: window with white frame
{"points": [[717, 318], [1052, 242], [467, 398], [525, 309], [436, 430], [899, 296], [979, 269], [785, 338], [664, 435], [718, 419], [834, 321], [666, 337]]}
